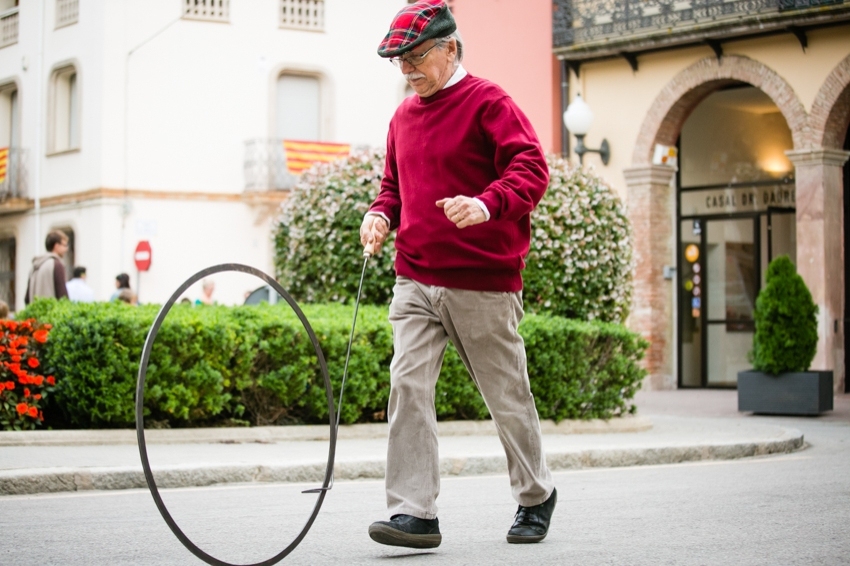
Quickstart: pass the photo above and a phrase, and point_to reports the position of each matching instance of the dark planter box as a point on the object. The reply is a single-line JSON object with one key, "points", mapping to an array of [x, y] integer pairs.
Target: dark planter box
{"points": [[802, 393]]}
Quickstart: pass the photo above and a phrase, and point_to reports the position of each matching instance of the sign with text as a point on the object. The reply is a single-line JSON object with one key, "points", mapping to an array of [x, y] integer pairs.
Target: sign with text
{"points": [[705, 202]]}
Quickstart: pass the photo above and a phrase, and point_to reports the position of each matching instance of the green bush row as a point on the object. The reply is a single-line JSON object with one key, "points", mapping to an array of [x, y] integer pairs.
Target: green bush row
{"points": [[256, 364]]}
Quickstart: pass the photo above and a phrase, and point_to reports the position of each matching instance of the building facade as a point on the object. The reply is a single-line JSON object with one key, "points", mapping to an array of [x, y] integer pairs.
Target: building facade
{"points": [[728, 127], [163, 121]]}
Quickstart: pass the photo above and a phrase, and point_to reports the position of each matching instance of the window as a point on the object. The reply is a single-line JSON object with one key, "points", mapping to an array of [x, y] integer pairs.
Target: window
{"points": [[10, 117], [7, 271], [298, 107], [302, 14], [67, 12], [64, 132], [213, 10], [12, 161], [8, 22]]}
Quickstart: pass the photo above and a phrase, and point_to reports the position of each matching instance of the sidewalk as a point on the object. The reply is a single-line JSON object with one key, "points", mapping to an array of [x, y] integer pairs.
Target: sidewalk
{"points": [[672, 426]]}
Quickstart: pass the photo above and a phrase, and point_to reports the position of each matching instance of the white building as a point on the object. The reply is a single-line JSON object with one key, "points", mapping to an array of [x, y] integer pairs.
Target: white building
{"points": [[161, 120]]}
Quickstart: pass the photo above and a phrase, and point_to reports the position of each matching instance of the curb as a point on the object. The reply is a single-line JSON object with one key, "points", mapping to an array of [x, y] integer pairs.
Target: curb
{"points": [[25, 482], [268, 434]]}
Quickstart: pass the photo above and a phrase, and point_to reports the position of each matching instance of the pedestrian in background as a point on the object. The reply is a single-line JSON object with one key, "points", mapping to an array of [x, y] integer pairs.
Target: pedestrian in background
{"points": [[127, 296], [47, 276], [78, 290], [464, 170], [207, 290], [4, 309], [122, 282]]}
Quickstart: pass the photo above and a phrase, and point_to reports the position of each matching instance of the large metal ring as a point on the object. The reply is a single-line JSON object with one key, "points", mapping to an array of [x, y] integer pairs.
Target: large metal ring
{"points": [[140, 424]]}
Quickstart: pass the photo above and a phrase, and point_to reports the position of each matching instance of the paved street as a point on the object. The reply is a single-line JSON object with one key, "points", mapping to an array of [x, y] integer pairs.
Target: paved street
{"points": [[784, 509]]}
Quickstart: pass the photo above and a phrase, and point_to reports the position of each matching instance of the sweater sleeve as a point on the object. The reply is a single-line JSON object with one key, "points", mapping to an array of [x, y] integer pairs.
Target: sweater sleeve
{"points": [[388, 201], [519, 161], [59, 279]]}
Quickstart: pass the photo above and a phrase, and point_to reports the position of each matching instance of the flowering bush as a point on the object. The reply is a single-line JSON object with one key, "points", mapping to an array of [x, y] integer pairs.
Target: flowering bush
{"points": [[22, 387], [579, 265], [580, 262], [318, 251]]}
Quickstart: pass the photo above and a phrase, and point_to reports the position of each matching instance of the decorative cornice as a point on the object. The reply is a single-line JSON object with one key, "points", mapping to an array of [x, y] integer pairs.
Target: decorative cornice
{"points": [[21, 205], [649, 175]]}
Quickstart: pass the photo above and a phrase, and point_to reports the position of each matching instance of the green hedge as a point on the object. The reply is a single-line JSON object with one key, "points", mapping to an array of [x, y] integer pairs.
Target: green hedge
{"points": [[255, 364]]}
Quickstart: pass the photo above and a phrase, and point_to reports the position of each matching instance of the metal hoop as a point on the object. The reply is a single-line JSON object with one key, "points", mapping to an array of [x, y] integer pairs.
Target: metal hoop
{"points": [[140, 425]]}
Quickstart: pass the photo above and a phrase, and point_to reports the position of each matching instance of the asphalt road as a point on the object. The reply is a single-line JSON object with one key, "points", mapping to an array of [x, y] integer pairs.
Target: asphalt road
{"points": [[775, 510]]}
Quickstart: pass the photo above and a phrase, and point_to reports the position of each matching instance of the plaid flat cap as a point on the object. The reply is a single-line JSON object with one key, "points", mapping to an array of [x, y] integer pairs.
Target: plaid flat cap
{"points": [[418, 22]]}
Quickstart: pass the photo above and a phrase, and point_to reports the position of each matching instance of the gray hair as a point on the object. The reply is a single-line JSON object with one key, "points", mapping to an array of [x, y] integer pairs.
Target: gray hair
{"points": [[441, 42]]}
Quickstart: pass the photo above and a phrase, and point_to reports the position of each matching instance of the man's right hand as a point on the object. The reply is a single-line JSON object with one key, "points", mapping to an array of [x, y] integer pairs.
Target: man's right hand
{"points": [[374, 230]]}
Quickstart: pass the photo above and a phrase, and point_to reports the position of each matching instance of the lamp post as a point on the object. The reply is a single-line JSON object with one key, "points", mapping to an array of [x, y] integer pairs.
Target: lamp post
{"points": [[578, 118]]}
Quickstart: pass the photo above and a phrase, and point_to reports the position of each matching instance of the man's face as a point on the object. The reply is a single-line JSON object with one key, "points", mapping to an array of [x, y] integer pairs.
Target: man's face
{"points": [[60, 248], [435, 70]]}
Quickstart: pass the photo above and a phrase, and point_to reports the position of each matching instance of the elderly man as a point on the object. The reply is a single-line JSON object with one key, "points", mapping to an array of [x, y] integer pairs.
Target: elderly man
{"points": [[464, 170]]}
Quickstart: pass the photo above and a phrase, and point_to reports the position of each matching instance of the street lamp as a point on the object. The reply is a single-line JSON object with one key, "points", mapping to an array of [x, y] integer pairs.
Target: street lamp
{"points": [[578, 118]]}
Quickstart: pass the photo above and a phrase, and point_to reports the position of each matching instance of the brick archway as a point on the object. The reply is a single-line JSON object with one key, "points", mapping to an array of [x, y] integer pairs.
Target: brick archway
{"points": [[675, 102], [830, 114]]}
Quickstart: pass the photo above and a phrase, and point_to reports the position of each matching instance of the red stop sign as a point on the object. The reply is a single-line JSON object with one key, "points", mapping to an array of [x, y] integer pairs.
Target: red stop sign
{"points": [[142, 255]]}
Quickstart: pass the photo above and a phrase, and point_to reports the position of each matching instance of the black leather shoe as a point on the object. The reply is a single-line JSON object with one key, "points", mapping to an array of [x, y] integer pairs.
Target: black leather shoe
{"points": [[532, 523], [406, 530]]}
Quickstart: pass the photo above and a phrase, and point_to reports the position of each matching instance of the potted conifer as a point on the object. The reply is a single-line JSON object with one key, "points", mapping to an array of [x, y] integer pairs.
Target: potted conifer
{"points": [[784, 345]]}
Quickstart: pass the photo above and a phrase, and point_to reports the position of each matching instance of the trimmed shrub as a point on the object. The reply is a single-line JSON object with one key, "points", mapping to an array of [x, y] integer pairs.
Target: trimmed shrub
{"points": [[255, 363], [786, 336], [579, 265]]}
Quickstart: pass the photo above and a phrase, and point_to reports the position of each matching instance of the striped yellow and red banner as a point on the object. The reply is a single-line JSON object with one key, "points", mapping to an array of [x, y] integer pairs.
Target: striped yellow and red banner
{"points": [[301, 155], [4, 160]]}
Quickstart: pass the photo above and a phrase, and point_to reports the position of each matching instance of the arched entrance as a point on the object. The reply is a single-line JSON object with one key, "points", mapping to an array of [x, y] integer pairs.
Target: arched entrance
{"points": [[735, 212], [653, 202]]}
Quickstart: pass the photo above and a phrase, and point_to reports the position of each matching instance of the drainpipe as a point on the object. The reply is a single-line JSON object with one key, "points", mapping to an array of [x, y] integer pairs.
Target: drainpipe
{"points": [[38, 148], [565, 93]]}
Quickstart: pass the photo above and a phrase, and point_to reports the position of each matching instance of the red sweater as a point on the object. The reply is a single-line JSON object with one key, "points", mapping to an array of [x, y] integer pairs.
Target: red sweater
{"points": [[469, 139]]}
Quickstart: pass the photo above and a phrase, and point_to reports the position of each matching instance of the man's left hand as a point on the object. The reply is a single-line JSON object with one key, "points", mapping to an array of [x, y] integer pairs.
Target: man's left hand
{"points": [[463, 211]]}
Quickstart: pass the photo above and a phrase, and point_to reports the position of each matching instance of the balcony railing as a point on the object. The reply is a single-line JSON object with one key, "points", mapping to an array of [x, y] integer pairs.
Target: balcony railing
{"points": [[13, 173], [9, 27], [211, 10], [266, 168], [67, 12], [584, 21]]}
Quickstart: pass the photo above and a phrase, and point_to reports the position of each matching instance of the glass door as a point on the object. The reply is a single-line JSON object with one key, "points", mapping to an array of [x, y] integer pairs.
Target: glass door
{"points": [[732, 281]]}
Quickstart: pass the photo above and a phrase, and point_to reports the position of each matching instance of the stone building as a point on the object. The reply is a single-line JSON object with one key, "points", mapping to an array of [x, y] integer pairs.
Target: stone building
{"points": [[727, 123]]}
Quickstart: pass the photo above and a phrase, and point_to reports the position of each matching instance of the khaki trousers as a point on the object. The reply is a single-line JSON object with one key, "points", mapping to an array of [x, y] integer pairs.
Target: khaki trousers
{"points": [[483, 328]]}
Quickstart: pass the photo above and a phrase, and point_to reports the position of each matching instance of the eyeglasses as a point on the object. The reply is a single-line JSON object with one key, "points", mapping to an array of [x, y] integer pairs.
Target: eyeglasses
{"points": [[414, 59]]}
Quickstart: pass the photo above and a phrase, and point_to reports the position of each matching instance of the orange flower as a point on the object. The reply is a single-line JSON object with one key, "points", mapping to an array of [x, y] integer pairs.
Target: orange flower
{"points": [[37, 396], [2, 349], [16, 359], [33, 411], [21, 408], [51, 380], [26, 392], [2, 385], [37, 380], [10, 385], [40, 336], [33, 363]]}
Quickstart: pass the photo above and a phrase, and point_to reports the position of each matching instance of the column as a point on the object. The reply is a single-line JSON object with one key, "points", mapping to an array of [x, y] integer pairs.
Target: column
{"points": [[820, 248], [652, 213]]}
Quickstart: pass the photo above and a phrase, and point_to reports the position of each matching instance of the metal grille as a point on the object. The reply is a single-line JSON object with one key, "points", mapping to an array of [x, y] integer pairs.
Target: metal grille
{"points": [[302, 14], [214, 10], [14, 183], [67, 12], [579, 21], [265, 166], [9, 28]]}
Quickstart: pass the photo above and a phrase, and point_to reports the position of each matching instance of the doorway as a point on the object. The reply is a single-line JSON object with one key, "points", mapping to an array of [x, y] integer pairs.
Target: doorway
{"points": [[722, 263], [846, 262]]}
